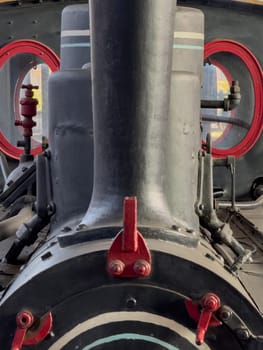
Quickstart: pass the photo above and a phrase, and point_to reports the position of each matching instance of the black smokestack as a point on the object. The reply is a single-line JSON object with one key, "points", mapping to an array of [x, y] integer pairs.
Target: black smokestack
{"points": [[131, 50]]}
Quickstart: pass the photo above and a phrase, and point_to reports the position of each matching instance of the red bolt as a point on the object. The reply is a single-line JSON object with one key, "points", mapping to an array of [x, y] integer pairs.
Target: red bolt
{"points": [[116, 267], [142, 267], [24, 319], [210, 302]]}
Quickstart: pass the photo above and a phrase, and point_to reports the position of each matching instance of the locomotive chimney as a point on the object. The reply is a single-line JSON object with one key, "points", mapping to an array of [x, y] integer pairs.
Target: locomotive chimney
{"points": [[131, 50]]}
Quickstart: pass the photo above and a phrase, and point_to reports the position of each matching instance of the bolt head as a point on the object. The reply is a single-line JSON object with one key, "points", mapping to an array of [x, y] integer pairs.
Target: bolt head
{"points": [[116, 267], [142, 267], [24, 319], [225, 313], [211, 302], [243, 333], [201, 207], [131, 302]]}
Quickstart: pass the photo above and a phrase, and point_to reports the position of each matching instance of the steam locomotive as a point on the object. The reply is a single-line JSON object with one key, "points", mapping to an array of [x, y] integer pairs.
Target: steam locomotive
{"points": [[122, 233]]}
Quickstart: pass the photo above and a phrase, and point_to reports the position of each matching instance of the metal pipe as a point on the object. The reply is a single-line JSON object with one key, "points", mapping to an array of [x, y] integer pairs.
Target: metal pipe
{"points": [[229, 103], [26, 235], [241, 205], [227, 120], [9, 226], [4, 166], [217, 104]]}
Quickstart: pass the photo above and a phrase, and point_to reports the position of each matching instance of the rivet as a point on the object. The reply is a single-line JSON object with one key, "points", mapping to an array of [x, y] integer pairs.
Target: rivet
{"points": [[131, 302]]}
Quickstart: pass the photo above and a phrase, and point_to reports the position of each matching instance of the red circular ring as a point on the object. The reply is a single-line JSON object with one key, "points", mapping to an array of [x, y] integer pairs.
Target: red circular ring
{"points": [[48, 56], [255, 70]]}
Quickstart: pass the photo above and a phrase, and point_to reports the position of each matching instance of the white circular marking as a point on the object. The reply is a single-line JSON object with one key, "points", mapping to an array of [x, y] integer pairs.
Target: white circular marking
{"points": [[122, 316]]}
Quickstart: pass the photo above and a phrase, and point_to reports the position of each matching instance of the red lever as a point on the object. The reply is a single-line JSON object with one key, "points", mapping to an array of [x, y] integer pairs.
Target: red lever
{"points": [[205, 318], [24, 321], [210, 303], [28, 331], [129, 255], [130, 234]]}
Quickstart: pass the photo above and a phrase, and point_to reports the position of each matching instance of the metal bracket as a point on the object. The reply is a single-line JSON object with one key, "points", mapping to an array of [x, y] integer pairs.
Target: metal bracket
{"points": [[129, 255], [204, 206], [238, 326]]}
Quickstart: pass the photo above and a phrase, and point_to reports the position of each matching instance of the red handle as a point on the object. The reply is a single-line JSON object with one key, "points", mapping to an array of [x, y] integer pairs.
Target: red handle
{"points": [[210, 303], [24, 321]]}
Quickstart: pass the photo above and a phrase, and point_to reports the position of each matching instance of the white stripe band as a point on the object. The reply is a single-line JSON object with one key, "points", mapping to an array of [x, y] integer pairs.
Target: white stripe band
{"points": [[79, 32], [124, 316], [188, 35]]}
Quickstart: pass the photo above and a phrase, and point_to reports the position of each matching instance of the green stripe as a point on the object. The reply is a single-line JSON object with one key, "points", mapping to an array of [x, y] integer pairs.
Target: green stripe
{"points": [[76, 45], [187, 47], [130, 336]]}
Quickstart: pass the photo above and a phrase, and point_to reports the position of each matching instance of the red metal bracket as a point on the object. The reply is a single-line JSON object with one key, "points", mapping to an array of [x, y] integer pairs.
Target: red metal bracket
{"points": [[129, 255], [203, 313], [31, 331]]}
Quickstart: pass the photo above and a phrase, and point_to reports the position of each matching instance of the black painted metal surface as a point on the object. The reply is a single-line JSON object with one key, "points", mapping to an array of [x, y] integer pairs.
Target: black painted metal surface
{"points": [[131, 68], [70, 143], [184, 115], [242, 23], [75, 36], [33, 20], [75, 300]]}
